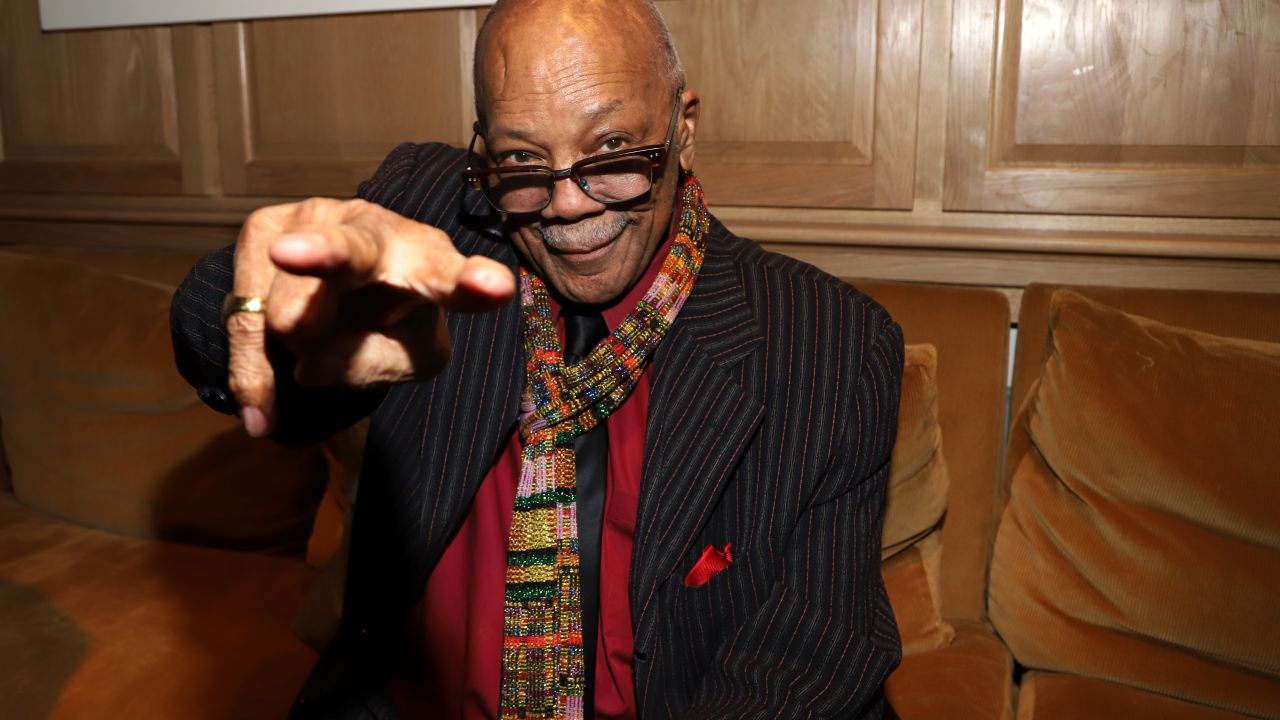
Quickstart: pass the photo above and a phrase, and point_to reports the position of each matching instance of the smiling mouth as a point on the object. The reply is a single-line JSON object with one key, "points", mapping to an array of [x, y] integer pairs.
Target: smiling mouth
{"points": [[582, 252]]}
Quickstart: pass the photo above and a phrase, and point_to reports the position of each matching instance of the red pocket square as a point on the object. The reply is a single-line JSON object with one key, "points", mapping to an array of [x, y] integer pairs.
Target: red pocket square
{"points": [[711, 562]]}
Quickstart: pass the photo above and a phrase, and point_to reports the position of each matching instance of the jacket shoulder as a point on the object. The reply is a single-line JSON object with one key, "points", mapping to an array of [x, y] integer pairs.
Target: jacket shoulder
{"points": [[420, 181], [424, 182], [778, 286]]}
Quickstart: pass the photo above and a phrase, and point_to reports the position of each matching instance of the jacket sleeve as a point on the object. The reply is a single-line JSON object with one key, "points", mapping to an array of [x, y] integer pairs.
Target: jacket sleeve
{"points": [[200, 340], [825, 639]]}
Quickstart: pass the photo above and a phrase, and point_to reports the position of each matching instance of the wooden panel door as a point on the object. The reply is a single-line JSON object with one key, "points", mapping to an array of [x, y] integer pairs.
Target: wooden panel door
{"points": [[93, 112], [809, 104], [1135, 107], [309, 106]]}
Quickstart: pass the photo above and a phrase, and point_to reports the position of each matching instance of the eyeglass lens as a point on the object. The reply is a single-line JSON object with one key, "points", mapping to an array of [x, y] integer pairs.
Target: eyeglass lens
{"points": [[607, 181]]}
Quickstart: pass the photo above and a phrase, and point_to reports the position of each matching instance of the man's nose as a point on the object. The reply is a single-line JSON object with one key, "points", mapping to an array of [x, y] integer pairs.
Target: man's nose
{"points": [[570, 202]]}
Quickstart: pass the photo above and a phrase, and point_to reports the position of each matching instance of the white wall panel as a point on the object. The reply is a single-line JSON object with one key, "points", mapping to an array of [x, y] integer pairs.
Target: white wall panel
{"points": [[77, 14]]}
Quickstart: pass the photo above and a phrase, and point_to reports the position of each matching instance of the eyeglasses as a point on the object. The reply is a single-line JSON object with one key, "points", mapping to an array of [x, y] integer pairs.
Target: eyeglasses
{"points": [[609, 178]]}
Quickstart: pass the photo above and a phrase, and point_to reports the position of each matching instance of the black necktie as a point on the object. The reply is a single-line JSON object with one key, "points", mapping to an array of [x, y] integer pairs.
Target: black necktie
{"points": [[581, 333]]}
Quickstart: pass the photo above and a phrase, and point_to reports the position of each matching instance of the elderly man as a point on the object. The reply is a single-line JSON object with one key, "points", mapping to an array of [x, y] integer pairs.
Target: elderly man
{"points": [[621, 463]]}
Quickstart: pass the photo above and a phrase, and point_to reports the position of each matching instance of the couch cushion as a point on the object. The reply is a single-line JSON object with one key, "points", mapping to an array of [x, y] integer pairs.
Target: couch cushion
{"points": [[970, 679], [1049, 696], [99, 428], [912, 580], [918, 478], [1254, 316], [917, 498], [95, 625], [1141, 539]]}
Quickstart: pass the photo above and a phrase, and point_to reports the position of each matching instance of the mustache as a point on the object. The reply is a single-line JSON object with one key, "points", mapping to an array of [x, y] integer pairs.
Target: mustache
{"points": [[584, 233]]}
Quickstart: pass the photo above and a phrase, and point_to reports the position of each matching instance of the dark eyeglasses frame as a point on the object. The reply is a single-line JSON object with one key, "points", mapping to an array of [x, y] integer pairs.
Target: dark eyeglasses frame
{"points": [[656, 153]]}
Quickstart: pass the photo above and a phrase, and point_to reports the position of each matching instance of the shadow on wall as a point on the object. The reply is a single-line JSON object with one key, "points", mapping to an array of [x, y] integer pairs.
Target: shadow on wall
{"points": [[40, 649]]}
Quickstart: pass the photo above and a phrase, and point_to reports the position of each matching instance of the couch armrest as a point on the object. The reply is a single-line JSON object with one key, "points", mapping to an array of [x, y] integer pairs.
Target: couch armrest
{"points": [[970, 679]]}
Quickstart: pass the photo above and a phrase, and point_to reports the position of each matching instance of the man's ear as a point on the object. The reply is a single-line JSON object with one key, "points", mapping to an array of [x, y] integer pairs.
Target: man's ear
{"points": [[690, 105]]}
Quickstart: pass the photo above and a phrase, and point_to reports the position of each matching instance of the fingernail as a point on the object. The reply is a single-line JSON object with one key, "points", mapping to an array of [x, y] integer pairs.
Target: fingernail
{"points": [[255, 421], [492, 280], [483, 279], [299, 241]]}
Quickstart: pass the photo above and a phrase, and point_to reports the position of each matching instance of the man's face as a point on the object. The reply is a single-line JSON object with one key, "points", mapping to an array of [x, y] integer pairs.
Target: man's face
{"points": [[556, 100]]}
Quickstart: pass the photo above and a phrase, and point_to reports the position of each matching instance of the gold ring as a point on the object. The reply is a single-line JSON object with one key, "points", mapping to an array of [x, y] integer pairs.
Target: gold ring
{"points": [[240, 304]]}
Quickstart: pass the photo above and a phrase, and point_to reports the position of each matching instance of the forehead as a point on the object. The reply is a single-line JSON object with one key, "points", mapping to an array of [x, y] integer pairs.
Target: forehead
{"points": [[565, 71]]}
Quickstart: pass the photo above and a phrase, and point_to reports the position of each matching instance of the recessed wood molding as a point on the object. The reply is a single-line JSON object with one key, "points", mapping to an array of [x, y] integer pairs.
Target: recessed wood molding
{"points": [[1134, 107], [310, 106], [1028, 242], [805, 104], [89, 112], [1013, 271], [979, 142]]}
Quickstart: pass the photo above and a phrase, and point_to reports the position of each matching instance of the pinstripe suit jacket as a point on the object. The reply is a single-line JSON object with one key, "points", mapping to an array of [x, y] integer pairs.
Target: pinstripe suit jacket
{"points": [[773, 412]]}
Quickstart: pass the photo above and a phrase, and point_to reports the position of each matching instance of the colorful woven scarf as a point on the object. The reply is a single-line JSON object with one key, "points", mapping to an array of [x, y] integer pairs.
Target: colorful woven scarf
{"points": [[542, 657]]}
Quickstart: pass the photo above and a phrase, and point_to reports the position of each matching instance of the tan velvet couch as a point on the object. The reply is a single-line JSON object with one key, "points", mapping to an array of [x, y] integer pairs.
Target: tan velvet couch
{"points": [[152, 558], [1124, 562]]}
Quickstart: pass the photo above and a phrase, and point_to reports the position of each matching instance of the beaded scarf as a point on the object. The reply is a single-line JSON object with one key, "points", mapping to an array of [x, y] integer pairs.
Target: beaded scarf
{"points": [[542, 657]]}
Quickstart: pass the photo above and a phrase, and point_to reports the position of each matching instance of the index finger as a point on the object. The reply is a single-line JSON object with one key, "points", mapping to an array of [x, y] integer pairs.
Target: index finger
{"points": [[366, 243]]}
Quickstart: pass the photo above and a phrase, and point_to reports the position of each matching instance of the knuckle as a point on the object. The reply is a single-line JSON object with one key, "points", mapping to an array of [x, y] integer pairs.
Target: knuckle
{"points": [[358, 205], [386, 367], [371, 369], [247, 382], [313, 209], [245, 326], [266, 218], [258, 219], [435, 235]]}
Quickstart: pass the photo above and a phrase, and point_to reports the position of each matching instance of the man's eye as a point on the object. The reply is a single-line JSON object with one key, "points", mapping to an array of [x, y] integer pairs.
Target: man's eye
{"points": [[613, 144], [519, 157]]}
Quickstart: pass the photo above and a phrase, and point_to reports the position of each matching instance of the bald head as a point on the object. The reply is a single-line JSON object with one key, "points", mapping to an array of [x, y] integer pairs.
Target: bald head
{"points": [[551, 38]]}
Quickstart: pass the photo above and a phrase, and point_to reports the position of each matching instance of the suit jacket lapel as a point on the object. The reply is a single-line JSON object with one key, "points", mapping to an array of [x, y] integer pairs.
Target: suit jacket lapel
{"points": [[471, 413], [702, 415], [498, 352]]}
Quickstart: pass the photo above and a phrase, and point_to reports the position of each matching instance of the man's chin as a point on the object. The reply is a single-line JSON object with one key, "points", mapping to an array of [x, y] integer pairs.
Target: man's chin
{"points": [[589, 290], [583, 285]]}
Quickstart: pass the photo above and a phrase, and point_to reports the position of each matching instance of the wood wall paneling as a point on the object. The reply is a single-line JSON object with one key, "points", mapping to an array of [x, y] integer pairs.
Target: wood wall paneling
{"points": [[1134, 107], [309, 106], [98, 235], [804, 104], [88, 112], [946, 141], [1011, 271]]}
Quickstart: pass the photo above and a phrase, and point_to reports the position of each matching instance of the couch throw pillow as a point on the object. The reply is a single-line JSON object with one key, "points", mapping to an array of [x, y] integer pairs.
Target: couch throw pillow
{"points": [[1141, 540], [918, 481], [911, 541]]}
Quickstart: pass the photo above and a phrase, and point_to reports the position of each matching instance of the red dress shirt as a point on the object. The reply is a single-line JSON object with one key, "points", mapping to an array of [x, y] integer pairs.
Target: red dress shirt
{"points": [[455, 669]]}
